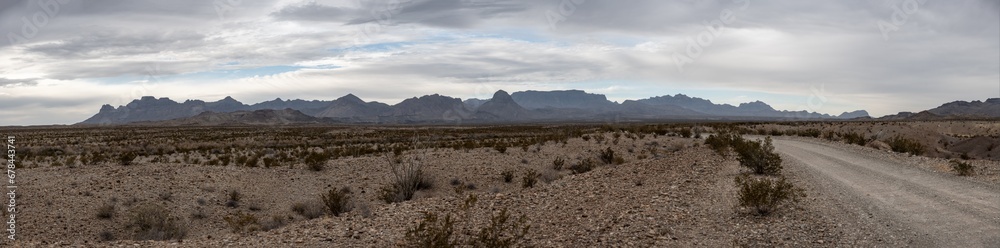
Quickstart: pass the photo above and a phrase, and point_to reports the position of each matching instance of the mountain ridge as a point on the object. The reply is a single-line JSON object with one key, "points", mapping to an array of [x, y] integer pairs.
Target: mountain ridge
{"points": [[522, 106]]}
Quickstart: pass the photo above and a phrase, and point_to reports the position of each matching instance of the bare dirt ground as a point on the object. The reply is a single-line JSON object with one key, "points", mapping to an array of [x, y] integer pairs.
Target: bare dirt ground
{"points": [[669, 192], [942, 209]]}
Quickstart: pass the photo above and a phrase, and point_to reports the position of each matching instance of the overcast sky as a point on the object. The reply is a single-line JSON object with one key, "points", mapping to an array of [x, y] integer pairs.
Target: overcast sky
{"points": [[61, 60]]}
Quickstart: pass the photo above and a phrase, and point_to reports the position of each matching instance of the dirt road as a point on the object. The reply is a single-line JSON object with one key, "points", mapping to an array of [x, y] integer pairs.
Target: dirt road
{"points": [[946, 210]]}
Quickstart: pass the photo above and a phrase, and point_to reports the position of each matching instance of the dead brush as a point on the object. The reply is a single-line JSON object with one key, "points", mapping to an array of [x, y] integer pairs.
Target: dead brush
{"points": [[406, 179], [337, 201]]}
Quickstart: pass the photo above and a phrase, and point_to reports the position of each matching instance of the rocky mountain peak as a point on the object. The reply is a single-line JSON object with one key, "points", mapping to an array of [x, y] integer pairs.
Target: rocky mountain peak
{"points": [[501, 96], [350, 98]]}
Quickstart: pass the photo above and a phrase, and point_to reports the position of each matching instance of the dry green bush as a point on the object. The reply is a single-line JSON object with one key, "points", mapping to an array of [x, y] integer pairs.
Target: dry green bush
{"points": [[337, 201], [854, 138], [764, 195], [722, 141], [962, 168], [904, 145], [153, 222], [758, 156]]}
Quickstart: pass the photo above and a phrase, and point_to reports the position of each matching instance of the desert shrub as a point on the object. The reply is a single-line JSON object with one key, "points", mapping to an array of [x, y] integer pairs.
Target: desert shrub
{"points": [[529, 179], [153, 222], [242, 222], [854, 138], [269, 162], [962, 168], [234, 199], [583, 166], [500, 147], [558, 163], [685, 132], [337, 201], [758, 156], [406, 179], [812, 132], [904, 145], [316, 161], [126, 158], [309, 210], [105, 211], [508, 176], [106, 235], [764, 195], [503, 231], [251, 161], [722, 141], [198, 214], [607, 156], [432, 231], [275, 222]]}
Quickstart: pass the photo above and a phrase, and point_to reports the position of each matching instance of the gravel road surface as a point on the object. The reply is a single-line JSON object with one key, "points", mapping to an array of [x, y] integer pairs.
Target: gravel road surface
{"points": [[946, 210]]}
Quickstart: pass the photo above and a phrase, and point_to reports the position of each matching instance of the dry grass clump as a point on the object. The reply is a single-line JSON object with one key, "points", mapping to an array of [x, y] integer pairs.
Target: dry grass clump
{"points": [[508, 176], [558, 163], [309, 210], [337, 201], [153, 222], [530, 178], [242, 222], [105, 211], [432, 231], [583, 166], [446, 230], [962, 168]]}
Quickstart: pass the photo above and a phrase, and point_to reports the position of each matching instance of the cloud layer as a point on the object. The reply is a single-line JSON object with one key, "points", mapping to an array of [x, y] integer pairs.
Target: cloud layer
{"points": [[66, 57]]}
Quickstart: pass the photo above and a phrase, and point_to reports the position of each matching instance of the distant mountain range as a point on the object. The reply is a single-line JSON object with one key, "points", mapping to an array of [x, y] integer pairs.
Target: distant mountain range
{"points": [[989, 109], [524, 106]]}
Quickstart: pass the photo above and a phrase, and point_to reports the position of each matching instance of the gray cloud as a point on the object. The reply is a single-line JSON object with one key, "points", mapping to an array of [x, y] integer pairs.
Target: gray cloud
{"points": [[101, 44], [6, 82], [942, 52]]}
